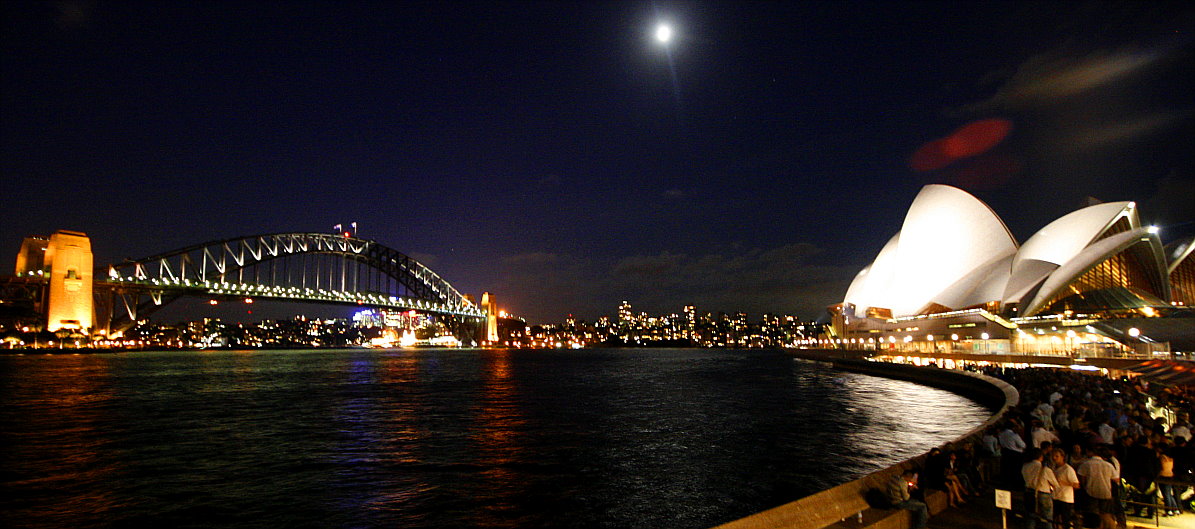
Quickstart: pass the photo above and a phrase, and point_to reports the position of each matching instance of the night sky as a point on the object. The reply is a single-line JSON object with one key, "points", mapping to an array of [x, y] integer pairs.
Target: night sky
{"points": [[558, 155]]}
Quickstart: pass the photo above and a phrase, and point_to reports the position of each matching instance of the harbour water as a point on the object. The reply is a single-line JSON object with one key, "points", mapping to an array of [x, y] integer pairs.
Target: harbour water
{"points": [[439, 438]]}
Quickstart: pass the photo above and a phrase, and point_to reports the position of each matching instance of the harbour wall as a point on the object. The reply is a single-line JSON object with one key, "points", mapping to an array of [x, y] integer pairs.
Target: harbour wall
{"points": [[847, 501]]}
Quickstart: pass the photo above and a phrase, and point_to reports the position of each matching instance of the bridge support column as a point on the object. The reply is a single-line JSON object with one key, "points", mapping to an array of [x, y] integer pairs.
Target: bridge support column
{"points": [[490, 306], [69, 260]]}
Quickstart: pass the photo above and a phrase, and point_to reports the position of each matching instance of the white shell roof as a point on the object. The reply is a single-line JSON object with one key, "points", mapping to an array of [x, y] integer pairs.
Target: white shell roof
{"points": [[1064, 238], [954, 251], [1059, 242], [1087, 259], [947, 235], [870, 287], [982, 285]]}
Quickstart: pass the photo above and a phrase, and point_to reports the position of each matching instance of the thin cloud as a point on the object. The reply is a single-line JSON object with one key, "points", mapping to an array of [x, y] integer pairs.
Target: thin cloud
{"points": [[1126, 130], [1059, 74]]}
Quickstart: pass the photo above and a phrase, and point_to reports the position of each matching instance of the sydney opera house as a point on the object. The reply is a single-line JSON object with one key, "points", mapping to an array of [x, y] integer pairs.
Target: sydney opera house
{"points": [[1094, 282]]}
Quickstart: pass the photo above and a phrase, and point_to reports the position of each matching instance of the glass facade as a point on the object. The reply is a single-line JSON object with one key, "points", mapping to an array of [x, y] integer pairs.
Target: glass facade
{"points": [[1182, 283], [1118, 283]]}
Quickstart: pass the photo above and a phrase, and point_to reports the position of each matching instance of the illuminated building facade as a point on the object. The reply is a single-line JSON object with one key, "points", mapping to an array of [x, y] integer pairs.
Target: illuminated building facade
{"points": [[490, 306], [32, 257], [1182, 272], [68, 261], [626, 319], [954, 279]]}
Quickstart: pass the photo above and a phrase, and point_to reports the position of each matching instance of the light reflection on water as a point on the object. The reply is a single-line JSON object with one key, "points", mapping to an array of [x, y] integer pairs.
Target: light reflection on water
{"points": [[444, 438]]}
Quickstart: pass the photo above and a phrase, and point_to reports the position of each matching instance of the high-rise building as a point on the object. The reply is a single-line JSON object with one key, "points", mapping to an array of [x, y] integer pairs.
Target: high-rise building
{"points": [[625, 319], [690, 324]]}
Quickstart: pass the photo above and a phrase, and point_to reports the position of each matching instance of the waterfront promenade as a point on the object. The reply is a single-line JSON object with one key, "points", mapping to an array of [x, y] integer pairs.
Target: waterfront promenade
{"points": [[981, 513], [1023, 391]]}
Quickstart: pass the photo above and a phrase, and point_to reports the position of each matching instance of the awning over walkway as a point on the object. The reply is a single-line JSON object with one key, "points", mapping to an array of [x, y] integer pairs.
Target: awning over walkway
{"points": [[1166, 372]]}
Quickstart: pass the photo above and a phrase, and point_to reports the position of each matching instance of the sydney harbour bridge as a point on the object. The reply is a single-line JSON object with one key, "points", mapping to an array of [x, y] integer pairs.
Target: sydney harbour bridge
{"points": [[54, 275]]}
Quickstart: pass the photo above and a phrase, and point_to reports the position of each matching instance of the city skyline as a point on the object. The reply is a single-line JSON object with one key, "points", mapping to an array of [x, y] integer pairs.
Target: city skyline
{"points": [[561, 157], [384, 328]]}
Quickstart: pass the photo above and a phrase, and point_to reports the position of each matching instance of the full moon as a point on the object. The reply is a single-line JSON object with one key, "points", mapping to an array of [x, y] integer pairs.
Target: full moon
{"points": [[663, 33]]}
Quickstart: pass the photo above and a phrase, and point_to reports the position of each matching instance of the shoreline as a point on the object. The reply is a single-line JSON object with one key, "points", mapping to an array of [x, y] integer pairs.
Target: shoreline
{"points": [[827, 507]]}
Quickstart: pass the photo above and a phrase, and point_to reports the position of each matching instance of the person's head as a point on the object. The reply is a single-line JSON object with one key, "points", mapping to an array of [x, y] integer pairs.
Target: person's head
{"points": [[1057, 456], [910, 475], [1033, 454]]}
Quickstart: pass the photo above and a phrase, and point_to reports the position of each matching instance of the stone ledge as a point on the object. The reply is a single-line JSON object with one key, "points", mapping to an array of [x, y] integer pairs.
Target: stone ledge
{"points": [[841, 504]]}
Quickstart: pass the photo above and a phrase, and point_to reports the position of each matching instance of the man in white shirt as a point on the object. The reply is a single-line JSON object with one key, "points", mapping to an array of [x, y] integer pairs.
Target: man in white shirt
{"points": [[1039, 487], [989, 456], [1040, 434], [1012, 446], [1010, 439], [1096, 475], [1045, 413], [1180, 429], [1054, 398], [1064, 493], [1107, 433]]}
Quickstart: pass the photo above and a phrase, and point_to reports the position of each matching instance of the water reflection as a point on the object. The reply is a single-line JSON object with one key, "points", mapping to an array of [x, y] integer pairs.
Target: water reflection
{"points": [[497, 435], [443, 438], [56, 427]]}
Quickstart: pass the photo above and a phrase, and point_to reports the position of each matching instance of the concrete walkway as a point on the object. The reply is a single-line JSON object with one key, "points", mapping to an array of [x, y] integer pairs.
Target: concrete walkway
{"points": [[981, 513]]}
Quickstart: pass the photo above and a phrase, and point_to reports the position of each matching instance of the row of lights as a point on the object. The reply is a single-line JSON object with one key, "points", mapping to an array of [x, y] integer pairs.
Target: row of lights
{"points": [[890, 339], [263, 290]]}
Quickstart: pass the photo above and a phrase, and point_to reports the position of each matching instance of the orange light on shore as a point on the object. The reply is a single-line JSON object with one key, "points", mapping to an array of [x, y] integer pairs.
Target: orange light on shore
{"points": [[248, 300], [213, 302]]}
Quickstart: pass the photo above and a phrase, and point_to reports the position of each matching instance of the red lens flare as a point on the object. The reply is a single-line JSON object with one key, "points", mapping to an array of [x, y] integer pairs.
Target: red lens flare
{"points": [[970, 140]]}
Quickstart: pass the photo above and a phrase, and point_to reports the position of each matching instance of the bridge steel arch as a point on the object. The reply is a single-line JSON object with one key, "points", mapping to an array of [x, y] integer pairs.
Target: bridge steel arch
{"points": [[314, 267]]}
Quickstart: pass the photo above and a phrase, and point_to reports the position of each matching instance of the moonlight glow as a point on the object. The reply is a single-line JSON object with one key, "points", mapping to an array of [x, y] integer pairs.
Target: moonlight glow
{"points": [[663, 33]]}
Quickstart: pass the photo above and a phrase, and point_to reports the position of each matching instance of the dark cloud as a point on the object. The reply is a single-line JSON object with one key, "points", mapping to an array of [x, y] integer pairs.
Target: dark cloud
{"points": [[1172, 206], [1109, 118], [73, 14], [782, 279]]}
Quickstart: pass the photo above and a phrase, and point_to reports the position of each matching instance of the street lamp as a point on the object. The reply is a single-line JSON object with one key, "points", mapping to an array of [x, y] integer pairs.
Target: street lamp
{"points": [[985, 337]]}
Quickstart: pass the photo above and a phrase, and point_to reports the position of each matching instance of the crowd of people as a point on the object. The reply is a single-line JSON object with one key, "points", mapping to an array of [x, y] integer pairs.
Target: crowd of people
{"points": [[1084, 450]]}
